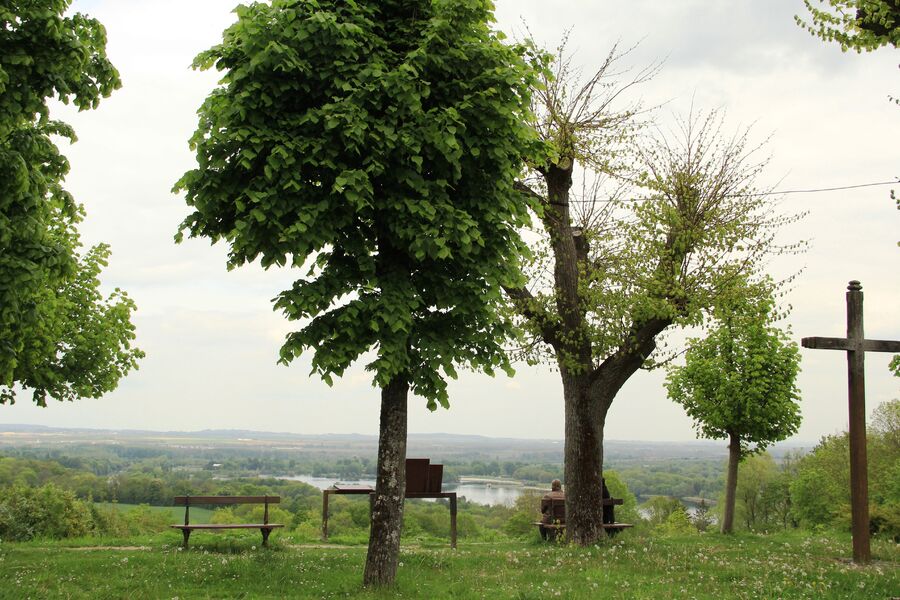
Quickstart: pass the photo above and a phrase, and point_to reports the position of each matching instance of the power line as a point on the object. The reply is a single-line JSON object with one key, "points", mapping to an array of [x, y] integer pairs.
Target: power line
{"points": [[775, 193], [830, 189]]}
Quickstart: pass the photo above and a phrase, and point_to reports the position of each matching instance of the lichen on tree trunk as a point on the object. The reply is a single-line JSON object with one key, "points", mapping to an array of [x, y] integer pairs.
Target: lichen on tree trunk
{"points": [[390, 487]]}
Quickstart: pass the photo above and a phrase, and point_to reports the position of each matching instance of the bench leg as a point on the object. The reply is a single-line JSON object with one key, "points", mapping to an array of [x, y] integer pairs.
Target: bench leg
{"points": [[265, 533], [187, 535]]}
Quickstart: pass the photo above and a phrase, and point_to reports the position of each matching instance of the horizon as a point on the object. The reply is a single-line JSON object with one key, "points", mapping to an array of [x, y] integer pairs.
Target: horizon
{"points": [[704, 441]]}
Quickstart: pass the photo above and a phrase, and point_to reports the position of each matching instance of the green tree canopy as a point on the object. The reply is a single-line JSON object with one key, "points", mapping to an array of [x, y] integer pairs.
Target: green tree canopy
{"points": [[374, 145], [740, 378], [58, 335], [738, 383], [820, 493]]}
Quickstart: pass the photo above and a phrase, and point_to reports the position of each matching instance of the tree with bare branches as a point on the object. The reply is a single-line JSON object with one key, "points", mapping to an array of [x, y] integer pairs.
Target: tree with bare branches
{"points": [[663, 229]]}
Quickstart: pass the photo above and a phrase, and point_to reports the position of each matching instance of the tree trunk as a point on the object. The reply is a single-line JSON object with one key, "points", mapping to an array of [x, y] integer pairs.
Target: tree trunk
{"points": [[734, 457], [583, 462], [390, 487], [572, 345]]}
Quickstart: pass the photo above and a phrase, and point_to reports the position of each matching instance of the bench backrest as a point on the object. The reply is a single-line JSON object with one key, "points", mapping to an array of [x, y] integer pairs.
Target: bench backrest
{"points": [[557, 510], [188, 501], [423, 477], [194, 500]]}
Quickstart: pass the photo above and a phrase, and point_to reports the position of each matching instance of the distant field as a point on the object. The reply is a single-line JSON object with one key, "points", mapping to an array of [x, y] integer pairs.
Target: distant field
{"points": [[198, 515], [711, 566]]}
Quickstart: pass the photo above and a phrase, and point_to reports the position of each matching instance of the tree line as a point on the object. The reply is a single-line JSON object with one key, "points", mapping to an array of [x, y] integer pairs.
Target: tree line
{"points": [[799, 491]]}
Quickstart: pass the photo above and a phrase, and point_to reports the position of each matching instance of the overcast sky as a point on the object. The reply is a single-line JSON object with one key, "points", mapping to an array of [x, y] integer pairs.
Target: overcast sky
{"points": [[212, 337]]}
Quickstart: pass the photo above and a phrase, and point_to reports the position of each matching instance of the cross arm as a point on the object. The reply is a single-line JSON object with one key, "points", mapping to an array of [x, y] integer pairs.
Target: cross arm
{"points": [[827, 343]]}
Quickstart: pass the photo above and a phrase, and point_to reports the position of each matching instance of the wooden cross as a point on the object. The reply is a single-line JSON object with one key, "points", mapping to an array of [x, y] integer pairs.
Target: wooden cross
{"points": [[856, 347]]}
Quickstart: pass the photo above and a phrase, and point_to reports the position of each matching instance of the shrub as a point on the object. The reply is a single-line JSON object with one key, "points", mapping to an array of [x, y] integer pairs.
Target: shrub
{"points": [[677, 523], [658, 509], [526, 511], [46, 512]]}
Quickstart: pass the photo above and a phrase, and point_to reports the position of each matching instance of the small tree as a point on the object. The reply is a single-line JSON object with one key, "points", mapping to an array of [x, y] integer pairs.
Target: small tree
{"points": [[753, 496], [59, 336], [660, 508], [738, 384], [374, 143], [702, 519]]}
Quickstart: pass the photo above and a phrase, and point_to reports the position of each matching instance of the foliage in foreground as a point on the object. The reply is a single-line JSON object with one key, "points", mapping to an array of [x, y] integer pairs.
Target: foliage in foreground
{"points": [[58, 335], [857, 24], [709, 566]]}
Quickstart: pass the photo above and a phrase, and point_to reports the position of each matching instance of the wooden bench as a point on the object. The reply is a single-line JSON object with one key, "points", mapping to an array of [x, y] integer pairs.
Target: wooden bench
{"points": [[188, 501], [556, 509]]}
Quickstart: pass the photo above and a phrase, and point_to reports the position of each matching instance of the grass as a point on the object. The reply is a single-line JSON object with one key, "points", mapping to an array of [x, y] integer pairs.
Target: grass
{"points": [[233, 565]]}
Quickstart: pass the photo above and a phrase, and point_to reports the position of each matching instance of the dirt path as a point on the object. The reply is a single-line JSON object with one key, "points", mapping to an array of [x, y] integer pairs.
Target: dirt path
{"points": [[89, 548]]}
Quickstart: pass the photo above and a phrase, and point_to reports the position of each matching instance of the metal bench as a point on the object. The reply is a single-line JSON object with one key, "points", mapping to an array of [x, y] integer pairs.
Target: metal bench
{"points": [[188, 501]]}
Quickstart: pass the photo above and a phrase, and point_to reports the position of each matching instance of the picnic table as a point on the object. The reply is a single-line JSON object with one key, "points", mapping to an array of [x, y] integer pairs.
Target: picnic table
{"points": [[423, 480]]}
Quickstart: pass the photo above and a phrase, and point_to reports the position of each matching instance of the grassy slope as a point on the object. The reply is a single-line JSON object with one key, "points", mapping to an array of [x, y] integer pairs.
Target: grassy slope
{"points": [[233, 566]]}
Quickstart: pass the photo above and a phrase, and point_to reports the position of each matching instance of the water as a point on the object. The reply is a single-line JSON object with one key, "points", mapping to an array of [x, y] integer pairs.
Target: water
{"points": [[495, 495], [479, 493]]}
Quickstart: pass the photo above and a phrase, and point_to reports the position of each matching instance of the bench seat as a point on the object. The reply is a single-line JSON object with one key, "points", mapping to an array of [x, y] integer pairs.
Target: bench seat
{"points": [[228, 526], [187, 527], [617, 526]]}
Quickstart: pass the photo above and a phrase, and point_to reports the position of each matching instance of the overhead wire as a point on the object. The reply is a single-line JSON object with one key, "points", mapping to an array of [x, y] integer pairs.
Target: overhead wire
{"points": [[773, 193]]}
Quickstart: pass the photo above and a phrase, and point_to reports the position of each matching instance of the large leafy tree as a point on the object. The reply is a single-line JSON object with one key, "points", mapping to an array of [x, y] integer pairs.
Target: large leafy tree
{"points": [[738, 384], [660, 243], [59, 336], [855, 24], [373, 144]]}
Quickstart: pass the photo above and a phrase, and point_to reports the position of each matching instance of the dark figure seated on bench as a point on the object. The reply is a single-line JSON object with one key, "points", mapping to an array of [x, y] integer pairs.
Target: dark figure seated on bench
{"points": [[553, 512]]}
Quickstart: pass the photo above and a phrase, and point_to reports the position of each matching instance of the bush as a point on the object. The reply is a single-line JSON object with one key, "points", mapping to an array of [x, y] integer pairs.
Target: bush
{"points": [[702, 518], [658, 509], [885, 521], [627, 512], [526, 511], [46, 512], [677, 523], [119, 522]]}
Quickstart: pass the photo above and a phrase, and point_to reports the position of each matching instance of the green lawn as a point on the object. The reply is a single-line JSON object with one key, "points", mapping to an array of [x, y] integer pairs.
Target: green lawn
{"points": [[234, 566]]}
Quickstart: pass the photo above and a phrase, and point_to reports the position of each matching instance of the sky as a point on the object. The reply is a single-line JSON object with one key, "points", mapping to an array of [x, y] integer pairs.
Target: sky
{"points": [[212, 338]]}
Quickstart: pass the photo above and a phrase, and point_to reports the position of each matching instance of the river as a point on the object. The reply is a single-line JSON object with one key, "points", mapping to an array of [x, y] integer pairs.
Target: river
{"points": [[490, 494]]}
